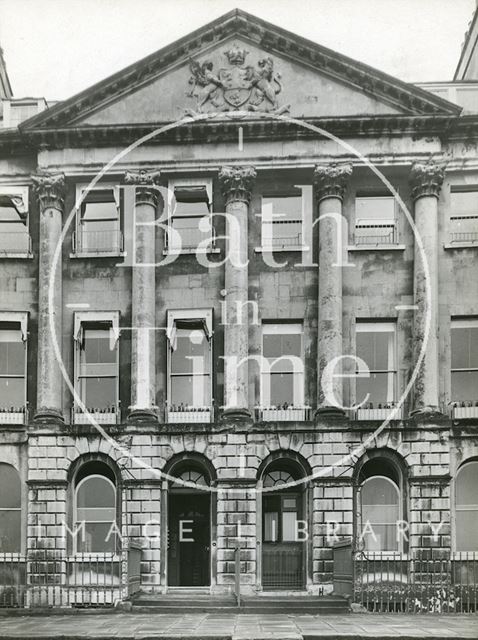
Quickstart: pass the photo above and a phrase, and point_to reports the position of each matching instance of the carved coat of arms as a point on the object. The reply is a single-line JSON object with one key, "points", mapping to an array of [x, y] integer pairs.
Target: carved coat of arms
{"points": [[238, 87]]}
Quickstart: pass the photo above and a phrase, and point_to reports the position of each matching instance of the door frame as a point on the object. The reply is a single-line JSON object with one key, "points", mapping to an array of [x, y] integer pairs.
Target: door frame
{"points": [[195, 461]]}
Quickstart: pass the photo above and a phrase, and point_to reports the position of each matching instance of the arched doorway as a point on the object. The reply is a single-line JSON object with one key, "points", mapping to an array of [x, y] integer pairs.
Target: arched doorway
{"points": [[284, 526], [189, 525]]}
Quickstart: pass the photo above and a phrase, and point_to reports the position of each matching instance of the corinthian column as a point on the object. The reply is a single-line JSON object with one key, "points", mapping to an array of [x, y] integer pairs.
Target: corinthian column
{"points": [[143, 317], [49, 190], [330, 183], [426, 180], [236, 184]]}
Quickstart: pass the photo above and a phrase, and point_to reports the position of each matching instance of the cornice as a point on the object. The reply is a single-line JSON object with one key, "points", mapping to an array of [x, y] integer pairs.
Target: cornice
{"points": [[268, 37]]}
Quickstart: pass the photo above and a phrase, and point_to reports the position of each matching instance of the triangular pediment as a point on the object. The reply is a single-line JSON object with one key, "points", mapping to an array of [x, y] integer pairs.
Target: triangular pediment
{"points": [[241, 62]]}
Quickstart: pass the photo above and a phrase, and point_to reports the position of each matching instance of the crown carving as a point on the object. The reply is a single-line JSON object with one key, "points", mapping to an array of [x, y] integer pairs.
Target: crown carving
{"points": [[236, 55]]}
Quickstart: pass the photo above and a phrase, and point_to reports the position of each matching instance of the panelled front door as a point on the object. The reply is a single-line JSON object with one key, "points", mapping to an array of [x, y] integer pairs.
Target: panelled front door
{"points": [[189, 539]]}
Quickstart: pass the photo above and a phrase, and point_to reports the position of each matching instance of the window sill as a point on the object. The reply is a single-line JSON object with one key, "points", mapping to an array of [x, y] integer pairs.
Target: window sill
{"points": [[281, 249], [460, 245], [376, 247], [179, 252], [24, 255], [98, 254]]}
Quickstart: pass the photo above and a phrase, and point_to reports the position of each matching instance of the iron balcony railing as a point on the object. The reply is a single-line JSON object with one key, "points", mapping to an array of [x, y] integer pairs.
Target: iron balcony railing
{"points": [[464, 410], [282, 234], [379, 411], [181, 413], [464, 229], [106, 415], [376, 234], [90, 242], [14, 415], [16, 242], [286, 414], [191, 235], [440, 582]]}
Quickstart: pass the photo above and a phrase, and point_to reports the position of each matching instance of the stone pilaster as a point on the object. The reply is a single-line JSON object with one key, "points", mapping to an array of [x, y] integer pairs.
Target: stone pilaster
{"points": [[426, 180], [49, 190], [143, 316], [330, 184], [236, 184]]}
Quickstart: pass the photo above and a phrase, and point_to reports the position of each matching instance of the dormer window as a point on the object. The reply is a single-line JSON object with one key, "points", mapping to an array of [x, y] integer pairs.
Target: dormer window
{"points": [[189, 209], [14, 236]]}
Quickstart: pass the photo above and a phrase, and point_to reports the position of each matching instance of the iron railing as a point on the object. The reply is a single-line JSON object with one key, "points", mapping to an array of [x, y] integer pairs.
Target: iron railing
{"points": [[107, 415], [89, 242], [15, 242], [191, 236], [464, 229], [49, 578], [286, 414], [13, 415], [396, 583], [376, 234], [282, 234], [282, 566]]}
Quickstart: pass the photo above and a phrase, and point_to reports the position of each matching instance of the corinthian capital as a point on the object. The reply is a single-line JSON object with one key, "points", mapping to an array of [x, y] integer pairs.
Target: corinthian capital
{"points": [[50, 190], [426, 178], [145, 183], [331, 179], [237, 183]]}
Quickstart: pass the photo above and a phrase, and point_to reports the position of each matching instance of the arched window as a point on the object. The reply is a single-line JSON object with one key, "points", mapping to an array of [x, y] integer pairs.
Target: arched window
{"points": [[380, 506], [95, 517], [10, 509], [466, 507]]}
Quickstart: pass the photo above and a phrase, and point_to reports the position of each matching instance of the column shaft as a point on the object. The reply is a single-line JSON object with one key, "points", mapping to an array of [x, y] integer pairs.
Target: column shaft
{"points": [[236, 183], [49, 190], [143, 315], [330, 182], [426, 182]]}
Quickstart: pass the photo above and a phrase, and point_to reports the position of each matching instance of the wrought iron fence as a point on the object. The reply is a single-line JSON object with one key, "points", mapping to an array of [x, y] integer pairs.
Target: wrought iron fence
{"points": [[282, 234], [282, 566], [375, 234], [49, 578], [396, 583]]}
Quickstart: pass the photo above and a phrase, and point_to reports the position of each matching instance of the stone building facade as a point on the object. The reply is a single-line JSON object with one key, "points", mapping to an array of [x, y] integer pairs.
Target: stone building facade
{"points": [[322, 209]]}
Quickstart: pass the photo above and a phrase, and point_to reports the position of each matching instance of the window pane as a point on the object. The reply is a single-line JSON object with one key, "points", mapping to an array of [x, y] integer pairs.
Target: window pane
{"points": [[94, 538], [465, 202], [383, 538], [12, 353], [374, 209], [466, 528], [376, 349], [276, 345], [282, 388], [379, 491], [379, 386], [12, 393], [99, 210], [271, 527], [97, 346], [190, 391], [95, 491], [10, 531], [283, 207], [98, 393], [464, 386], [464, 347], [289, 519], [190, 344], [10, 487], [467, 485]]}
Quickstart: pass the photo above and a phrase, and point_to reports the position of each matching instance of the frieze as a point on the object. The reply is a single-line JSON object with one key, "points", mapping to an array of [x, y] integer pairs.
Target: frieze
{"points": [[239, 86]]}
